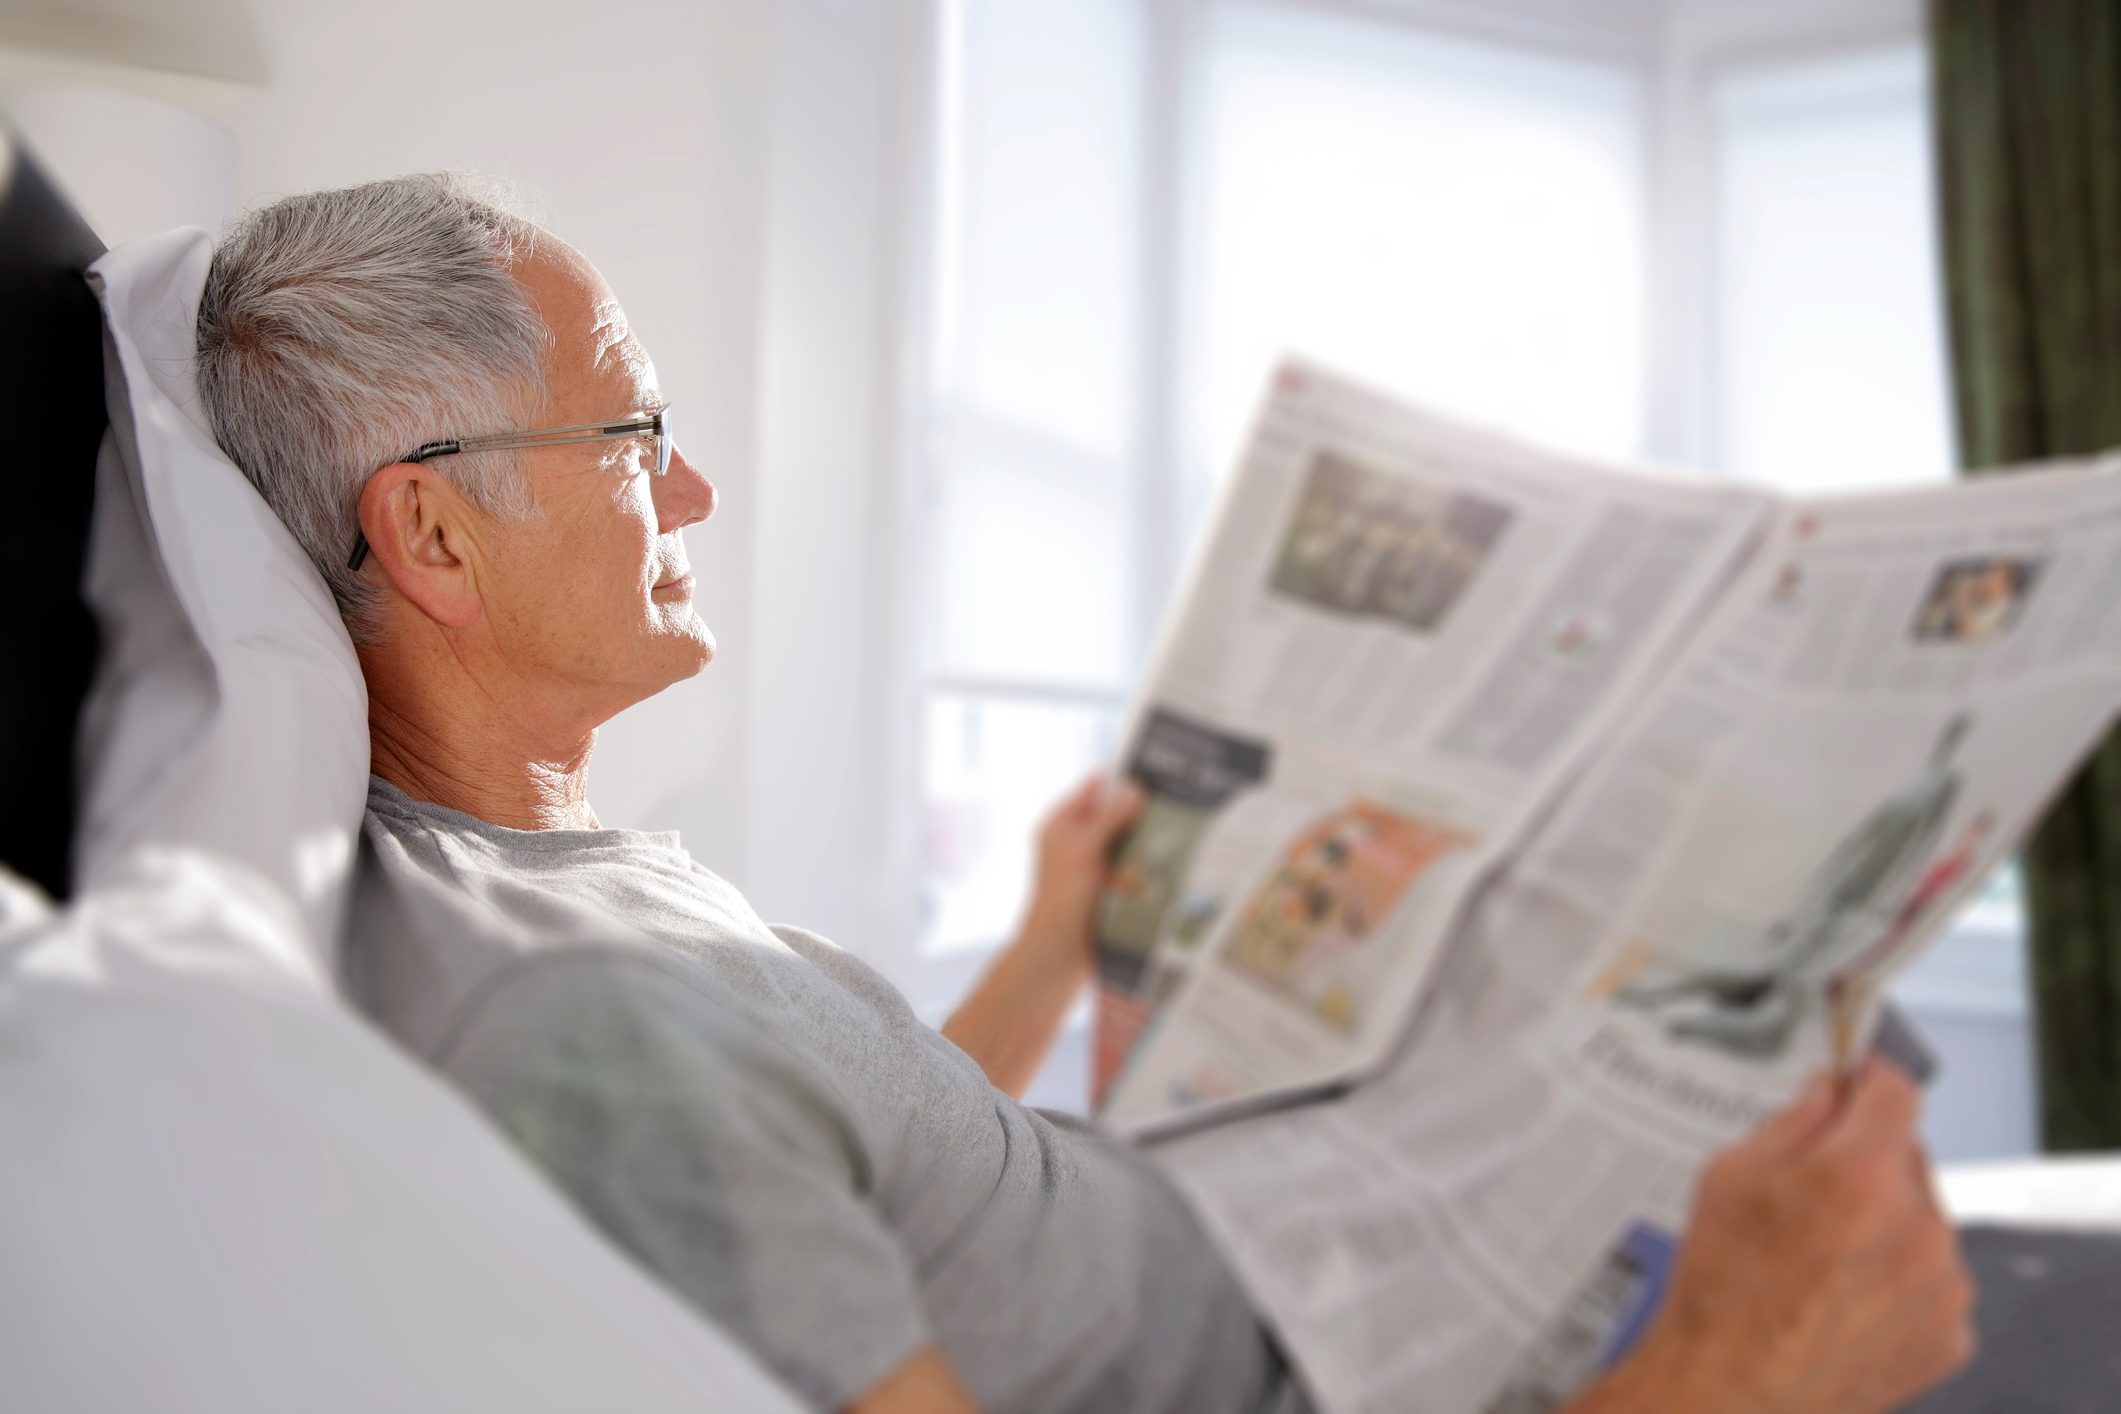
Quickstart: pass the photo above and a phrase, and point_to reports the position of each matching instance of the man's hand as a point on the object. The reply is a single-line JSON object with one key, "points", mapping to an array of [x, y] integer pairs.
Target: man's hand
{"points": [[1817, 1275], [1074, 849], [1009, 1022]]}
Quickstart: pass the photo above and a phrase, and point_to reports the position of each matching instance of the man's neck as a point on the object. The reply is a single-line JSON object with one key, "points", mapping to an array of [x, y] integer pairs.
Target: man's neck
{"points": [[440, 737]]}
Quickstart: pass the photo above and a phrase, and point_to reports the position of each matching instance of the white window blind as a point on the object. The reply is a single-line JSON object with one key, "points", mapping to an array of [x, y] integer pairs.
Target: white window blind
{"points": [[1029, 423], [1458, 220], [1831, 357]]}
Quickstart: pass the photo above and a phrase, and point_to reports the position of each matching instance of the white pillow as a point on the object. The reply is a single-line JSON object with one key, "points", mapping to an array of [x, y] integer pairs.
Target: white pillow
{"points": [[222, 1193], [228, 712]]}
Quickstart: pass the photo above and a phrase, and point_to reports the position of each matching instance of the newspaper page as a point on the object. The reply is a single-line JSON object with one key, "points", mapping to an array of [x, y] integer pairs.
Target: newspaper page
{"points": [[1400, 633], [1849, 747]]}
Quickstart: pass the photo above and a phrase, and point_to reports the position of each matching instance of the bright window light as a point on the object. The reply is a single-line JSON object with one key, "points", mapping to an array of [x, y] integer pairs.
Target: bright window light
{"points": [[1458, 221], [1028, 429], [1832, 340], [1035, 293]]}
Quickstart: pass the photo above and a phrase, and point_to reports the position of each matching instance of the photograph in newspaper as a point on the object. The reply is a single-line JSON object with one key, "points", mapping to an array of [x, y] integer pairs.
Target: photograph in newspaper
{"points": [[1974, 600], [1320, 902], [1309, 933], [1189, 771], [1366, 542], [1741, 987]]}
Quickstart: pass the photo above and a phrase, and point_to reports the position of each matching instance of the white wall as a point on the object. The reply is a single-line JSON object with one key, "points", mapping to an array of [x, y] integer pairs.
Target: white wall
{"points": [[637, 130], [133, 165], [826, 785]]}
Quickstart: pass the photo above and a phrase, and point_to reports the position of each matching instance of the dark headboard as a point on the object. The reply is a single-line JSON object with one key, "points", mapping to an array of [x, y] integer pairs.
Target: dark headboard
{"points": [[52, 421]]}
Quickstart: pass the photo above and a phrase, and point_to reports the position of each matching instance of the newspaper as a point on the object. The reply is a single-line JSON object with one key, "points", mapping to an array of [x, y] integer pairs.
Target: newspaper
{"points": [[1523, 829]]}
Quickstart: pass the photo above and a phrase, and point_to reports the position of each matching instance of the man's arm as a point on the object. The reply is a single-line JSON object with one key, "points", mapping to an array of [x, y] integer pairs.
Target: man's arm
{"points": [[1010, 1020], [717, 1155], [926, 1384], [1817, 1276]]}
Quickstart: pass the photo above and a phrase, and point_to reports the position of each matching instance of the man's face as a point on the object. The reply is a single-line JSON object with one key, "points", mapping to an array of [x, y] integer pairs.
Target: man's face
{"points": [[592, 596]]}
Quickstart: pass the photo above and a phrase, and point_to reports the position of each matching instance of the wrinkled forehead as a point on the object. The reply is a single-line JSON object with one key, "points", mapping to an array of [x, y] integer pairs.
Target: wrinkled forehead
{"points": [[616, 355], [596, 367]]}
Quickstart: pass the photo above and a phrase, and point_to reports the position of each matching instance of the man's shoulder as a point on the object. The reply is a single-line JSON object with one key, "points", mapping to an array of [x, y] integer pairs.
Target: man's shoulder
{"points": [[639, 993], [561, 885], [444, 943], [625, 948], [441, 922], [631, 1034]]}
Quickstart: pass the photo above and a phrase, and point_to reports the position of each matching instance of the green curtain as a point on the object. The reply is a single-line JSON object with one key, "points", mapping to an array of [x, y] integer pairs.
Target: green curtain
{"points": [[2028, 133]]}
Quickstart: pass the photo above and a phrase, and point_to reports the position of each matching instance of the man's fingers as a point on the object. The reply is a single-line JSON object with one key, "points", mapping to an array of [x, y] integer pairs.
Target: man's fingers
{"points": [[1081, 801], [1925, 1177], [1879, 1111], [1797, 1123], [1095, 810], [1122, 802]]}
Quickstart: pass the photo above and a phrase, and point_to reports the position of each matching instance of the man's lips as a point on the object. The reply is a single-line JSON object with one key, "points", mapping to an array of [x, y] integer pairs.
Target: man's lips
{"points": [[681, 585]]}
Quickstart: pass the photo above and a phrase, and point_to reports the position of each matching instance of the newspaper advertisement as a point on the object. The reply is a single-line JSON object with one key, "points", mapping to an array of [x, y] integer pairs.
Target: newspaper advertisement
{"points": [[1846, 749], [1400, 636]]}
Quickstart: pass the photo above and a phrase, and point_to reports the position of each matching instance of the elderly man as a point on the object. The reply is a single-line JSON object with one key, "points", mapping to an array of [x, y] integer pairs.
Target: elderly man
{"points": [[448, 409]]}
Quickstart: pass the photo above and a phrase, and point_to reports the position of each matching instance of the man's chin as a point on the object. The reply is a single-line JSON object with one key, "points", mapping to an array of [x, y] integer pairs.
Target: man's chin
{"points": [[699, 644]]}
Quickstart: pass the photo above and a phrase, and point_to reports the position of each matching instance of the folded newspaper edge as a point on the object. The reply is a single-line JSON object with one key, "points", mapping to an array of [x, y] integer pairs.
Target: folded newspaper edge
{"points": [[1523, 827]]}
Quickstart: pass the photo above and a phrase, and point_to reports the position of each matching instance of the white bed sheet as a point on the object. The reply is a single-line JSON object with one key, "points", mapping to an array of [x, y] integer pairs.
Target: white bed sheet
{"points": [[221, 1192]]}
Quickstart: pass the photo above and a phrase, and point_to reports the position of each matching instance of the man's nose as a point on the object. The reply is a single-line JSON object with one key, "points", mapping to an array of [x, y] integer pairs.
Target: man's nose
{"points": [[683, 496]]}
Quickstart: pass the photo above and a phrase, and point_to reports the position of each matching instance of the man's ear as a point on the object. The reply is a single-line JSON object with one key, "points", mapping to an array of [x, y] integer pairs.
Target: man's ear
{"points": [[419, 536]]}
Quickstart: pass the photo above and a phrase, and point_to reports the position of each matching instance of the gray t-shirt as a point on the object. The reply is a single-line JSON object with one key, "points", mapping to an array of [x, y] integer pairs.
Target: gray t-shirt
{"points": [[762, 1121]]}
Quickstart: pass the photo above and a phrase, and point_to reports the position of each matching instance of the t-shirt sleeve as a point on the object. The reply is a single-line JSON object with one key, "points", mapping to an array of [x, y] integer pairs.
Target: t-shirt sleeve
{"points": [[723, 1162]]}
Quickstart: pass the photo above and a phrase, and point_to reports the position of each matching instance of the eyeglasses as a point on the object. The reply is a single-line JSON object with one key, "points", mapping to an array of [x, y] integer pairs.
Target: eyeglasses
{"points": [[654, 423]]}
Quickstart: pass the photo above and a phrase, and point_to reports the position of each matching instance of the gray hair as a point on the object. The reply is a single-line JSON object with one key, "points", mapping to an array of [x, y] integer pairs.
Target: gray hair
{"points": [[339, 330]]}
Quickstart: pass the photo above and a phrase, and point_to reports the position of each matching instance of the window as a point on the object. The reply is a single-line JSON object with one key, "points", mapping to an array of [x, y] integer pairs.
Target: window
{"points": [[1141, 203]]}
